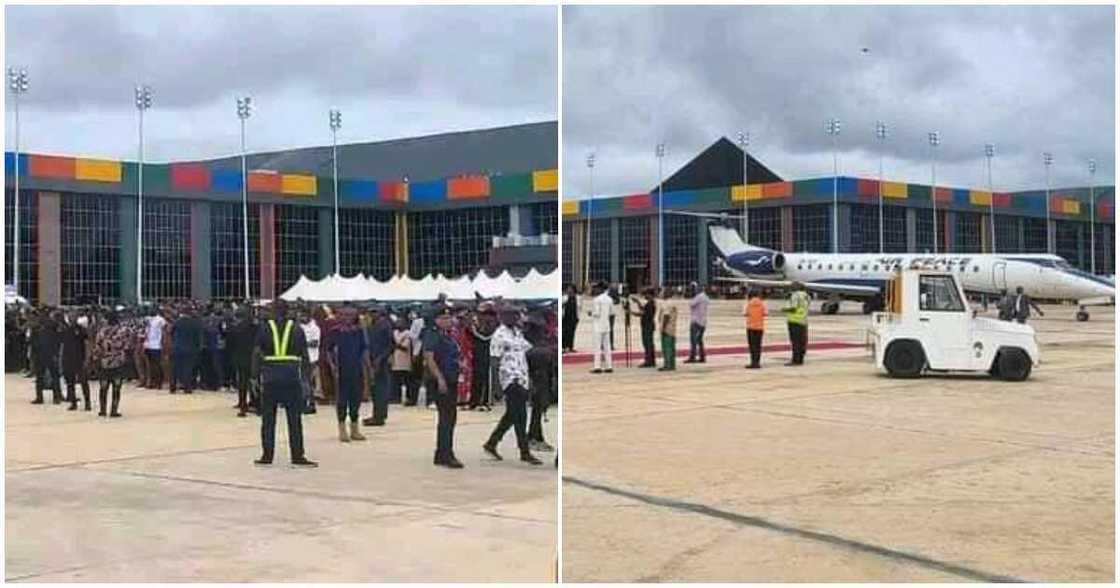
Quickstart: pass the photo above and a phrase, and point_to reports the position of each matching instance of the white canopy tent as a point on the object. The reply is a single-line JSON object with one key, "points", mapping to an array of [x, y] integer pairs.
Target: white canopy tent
{"points": [[335, 288]]}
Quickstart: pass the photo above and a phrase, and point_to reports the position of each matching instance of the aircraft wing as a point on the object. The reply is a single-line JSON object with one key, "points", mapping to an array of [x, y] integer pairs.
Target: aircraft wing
{"points": [[823, 286]]}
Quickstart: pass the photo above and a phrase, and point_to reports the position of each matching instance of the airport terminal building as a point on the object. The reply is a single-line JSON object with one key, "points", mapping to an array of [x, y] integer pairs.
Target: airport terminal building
{"points": [[451, 203], [797, 216]]}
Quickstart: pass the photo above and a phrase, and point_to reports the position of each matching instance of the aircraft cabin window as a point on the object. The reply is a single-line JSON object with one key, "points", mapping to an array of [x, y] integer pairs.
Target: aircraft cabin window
{"points": [[876, 267], [830, 266], [864, 267], [975, 269]]}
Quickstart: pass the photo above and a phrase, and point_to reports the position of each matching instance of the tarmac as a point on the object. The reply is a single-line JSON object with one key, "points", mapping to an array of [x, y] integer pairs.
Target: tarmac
{"points": [[169, 493], [834, 472]]}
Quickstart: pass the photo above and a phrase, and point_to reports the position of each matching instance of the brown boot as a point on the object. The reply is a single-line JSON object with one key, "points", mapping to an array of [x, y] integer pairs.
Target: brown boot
{"points": [[342, 436], [356, 431]]}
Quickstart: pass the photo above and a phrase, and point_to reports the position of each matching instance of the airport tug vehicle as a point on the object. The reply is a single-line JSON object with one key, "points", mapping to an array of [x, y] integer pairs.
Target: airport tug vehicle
{"points": [[928, 327]]}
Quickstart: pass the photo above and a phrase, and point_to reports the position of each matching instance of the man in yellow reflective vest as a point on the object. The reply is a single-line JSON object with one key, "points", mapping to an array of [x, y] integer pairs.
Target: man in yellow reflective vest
{"points": [[797, 319], [280, 353]]}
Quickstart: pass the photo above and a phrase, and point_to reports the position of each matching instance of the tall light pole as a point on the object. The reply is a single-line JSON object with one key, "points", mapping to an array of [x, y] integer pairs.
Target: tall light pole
{"points": [[1092, 216], [744, 142], [336, 123], [143, 102], [244, 110], [590, 211], [934, 141], [1047, 161], [833, 128], [989, 153], [660, 220], [881, 134], [17, 83]]}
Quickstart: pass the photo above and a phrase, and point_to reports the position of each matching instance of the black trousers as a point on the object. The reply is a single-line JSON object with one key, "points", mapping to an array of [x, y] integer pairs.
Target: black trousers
{"points": [[48, 376], [399, 390], [290, 396], [413, 380], [155, 367], [798, 339], [445, 424], [243, 377], [77, 378], [647, 346], [570, 332], [480, 381], [516, 395], [754, 340], [380, 382], [111, 379], [542, 392], [349, 397], [696, 341], [184, 369]]}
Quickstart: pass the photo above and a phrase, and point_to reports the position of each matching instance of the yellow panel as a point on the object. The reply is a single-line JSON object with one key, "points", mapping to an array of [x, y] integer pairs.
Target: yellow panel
{"points": [[570, 208], [980, 197], [545, 180], [1072, 207], [298, 184], [894, 189], [97, 170], [747, 192]]}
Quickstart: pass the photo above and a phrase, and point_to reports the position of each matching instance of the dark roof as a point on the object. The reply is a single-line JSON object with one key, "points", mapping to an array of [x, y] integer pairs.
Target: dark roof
{"points": [[514, 149], [718, 166]]}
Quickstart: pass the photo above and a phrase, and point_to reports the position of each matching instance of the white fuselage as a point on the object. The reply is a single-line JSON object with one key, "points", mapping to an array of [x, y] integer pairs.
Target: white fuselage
{"points": [[1040, 276]]}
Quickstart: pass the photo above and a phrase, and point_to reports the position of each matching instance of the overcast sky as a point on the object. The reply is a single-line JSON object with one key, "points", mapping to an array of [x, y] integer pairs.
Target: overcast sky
{"points": [[1029, 79], [394, 72]]}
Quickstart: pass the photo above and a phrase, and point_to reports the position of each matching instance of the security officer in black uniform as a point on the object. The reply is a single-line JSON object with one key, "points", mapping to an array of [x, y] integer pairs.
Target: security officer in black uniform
{"points": [[441, 360], [281, 351]]}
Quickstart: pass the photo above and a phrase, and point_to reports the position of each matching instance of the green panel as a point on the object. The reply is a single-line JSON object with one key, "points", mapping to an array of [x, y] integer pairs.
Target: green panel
{"points": [[326, 241], [719, 196], [157, 178], [917, 192], [511, 187], [128, 177], [126, 210]]}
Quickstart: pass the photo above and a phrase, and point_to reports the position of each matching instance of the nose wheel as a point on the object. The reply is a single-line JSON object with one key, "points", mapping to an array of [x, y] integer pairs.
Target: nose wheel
{"points": [[1082, 315], [830, 307]]}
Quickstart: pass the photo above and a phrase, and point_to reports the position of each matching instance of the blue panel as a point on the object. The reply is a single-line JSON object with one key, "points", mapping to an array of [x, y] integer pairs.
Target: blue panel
{"points": [[427, 192], [848, 186], [676, 198], [225, 180], [1030, 201], [358, 190], [960, 197], [10, 163]]}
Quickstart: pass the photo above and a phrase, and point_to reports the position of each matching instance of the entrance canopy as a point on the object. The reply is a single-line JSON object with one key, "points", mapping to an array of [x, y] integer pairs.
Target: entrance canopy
{"points": [[359, 288]]}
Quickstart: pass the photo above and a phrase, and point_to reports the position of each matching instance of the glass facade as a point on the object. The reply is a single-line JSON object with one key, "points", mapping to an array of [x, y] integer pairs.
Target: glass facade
{"points": [[1034, 235], [1007, 234], [681, 237], [966, 238], [894, 229], [366, 241], [864, 228], [453, 242], [812, 228], [1066, 243], [167, 249], [600, 270], [297, 244], [765, 227], [227, 253], [634, 244], [566, 253], [545, 216], [924, 231], [1103, 248], [91, 249], [28, 242]]}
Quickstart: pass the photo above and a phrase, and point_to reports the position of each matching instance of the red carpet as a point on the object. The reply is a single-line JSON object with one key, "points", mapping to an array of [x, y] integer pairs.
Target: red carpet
{"points": [[636, 351]]}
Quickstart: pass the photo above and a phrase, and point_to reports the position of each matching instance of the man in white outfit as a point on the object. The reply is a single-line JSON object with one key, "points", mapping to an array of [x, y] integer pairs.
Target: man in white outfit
{"points": [[602, 309]]}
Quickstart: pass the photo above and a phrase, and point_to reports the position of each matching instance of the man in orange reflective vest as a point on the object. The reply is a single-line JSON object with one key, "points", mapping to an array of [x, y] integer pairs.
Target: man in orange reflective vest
{"points": [[281, 351]]}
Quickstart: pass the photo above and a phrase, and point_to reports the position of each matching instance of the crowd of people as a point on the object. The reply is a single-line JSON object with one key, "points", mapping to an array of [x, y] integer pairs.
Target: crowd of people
{"points": [[657, 314], [448, 355]]}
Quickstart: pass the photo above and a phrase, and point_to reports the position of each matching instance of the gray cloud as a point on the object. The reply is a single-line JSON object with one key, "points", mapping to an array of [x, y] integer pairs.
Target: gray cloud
{"points": [[393, 71], [1029, 79]]}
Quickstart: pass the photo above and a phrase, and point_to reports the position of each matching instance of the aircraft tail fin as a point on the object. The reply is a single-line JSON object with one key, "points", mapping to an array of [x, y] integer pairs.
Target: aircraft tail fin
{"points": [[728, 242]]}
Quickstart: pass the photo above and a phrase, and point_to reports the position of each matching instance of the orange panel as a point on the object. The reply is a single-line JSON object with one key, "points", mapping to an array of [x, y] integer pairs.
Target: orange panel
{"points": [[777, 190], [468, 187], [262, 181], [49, 166]]}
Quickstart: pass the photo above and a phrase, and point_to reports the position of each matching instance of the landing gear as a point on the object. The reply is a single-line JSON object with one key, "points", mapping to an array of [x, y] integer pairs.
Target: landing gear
{"points": [[830, 307], [1082, 315], [873, 305]]}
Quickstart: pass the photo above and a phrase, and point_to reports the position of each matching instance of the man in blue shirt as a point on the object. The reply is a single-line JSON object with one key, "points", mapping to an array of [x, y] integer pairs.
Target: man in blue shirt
{"points": [[350, 357], [381, 346], [441, 360]]}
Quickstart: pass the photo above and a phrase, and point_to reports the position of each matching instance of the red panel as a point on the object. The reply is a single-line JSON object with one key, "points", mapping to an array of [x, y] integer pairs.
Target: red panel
{"points": [[1002, 199], [49, 166], [943, 194], [1056, 203], [264, 182], [1104, 208], [777, 190], [391, 191], [637, 202], [268, 250], [868, 188], [468, 187], [190, 176]]}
